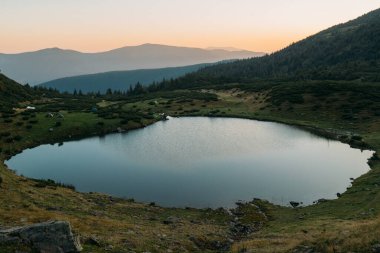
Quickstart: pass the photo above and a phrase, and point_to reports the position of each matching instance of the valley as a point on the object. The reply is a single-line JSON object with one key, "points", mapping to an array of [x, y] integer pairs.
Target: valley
{"points": [[131, 223], [324, 86]]}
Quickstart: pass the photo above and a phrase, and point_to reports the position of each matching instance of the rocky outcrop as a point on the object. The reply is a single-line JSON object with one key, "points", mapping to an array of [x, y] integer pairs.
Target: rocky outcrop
{"points": [[47, 237]]}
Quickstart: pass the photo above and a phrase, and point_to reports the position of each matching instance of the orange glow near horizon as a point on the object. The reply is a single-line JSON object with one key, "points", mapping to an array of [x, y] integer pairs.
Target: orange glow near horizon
{"points": [[97, 25]]}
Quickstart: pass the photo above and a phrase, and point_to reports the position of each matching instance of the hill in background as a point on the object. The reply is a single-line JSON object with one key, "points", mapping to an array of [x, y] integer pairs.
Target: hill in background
{"points": [[49, 64], [118, 80], [11, 93], [349, 51]]}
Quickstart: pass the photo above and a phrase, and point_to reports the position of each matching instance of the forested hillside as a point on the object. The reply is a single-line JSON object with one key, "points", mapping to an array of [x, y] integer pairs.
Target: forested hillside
{"points": [[118, 80], [11, 93], [349, 51]]}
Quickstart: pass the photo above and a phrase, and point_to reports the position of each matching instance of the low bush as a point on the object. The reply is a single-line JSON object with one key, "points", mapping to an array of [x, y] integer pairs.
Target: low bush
{"points": [[42, 183], [17, 138], [9, 140], [5, 134]]}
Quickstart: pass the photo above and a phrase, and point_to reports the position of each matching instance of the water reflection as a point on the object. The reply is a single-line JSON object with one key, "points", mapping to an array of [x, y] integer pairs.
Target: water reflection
{"points": [[202, 162]]}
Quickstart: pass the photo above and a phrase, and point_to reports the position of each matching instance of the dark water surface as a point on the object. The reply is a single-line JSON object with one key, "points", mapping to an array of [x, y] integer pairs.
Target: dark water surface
{"points": [[201, 162]]}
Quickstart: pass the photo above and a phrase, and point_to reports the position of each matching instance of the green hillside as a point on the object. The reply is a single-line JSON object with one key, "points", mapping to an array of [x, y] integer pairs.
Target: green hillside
{"points": [[349, 51], [118, 80], [11, 93], [327, 84]]}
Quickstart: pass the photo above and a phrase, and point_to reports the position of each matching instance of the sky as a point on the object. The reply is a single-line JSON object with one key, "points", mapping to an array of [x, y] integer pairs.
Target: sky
{"points": [[101, 25]]}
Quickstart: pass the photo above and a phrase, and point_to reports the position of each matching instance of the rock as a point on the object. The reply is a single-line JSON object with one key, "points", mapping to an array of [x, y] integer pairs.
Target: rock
{"points": [[171, 220], [47, 237], [92, 241], [9, 240], [303, 249], [214, 245], [109, 248], [239, 230], [376, 248]]}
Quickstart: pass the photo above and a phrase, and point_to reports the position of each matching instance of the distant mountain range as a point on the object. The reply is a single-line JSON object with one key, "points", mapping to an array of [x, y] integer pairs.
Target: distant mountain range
{"points": [[53, 63], [118, 80]]}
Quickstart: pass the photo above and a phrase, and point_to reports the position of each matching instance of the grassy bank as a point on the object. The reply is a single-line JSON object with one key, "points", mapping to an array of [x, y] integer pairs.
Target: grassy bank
{"points": [[332, 226]]}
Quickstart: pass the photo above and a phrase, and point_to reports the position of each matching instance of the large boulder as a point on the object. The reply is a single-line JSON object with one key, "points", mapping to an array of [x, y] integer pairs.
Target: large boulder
{"points": [[46, 237]]}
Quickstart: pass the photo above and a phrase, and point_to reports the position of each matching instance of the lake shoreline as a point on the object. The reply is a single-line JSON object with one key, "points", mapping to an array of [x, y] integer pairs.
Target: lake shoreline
{"points": [[321, 132], [38, 202]]}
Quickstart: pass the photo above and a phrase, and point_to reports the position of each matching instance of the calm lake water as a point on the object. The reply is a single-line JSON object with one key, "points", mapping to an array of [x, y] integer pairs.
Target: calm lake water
{"points": [[201, 162]]}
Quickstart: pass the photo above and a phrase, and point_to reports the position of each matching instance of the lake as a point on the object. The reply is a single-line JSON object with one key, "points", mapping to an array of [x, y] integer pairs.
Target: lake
{"points": [[201, 162]]}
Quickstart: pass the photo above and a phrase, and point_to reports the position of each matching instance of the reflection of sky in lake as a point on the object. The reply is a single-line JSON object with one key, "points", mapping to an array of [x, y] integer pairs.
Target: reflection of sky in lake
{"points": [[202, 162]]}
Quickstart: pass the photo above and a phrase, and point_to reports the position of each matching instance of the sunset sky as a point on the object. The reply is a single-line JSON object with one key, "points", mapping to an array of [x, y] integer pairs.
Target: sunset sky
{"points": [[100, 25]]}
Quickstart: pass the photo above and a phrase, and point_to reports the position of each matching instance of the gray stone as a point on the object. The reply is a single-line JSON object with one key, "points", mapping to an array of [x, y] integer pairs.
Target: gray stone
{"points": [[93, 241], [171, 220], [7, 240], [376, 248], [303, 249], [47, 237]]}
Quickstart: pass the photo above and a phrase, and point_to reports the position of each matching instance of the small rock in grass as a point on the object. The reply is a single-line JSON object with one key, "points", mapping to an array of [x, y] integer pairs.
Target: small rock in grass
{"points": [[93, 241]]}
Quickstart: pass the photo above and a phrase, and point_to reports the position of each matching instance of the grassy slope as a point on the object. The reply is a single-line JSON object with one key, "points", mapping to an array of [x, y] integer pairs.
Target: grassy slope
{"points": [[126, 224], [11, 92]]}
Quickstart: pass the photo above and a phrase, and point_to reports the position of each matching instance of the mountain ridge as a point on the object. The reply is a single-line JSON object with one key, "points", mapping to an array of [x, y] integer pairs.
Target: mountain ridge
{"points": [[48, 64], [118, 80], [56, 48], [348, 51]]}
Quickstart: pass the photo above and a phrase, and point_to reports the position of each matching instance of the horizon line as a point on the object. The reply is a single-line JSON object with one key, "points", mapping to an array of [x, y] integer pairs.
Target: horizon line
{"points": [[208, 48]]}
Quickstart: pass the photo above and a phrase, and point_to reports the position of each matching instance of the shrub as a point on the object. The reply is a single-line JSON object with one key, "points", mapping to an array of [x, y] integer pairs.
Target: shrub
{"points": [[9, 140], [5, 134], [123, 121], [42, 183], [17, 138], [356, 138], [58, 124]]}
